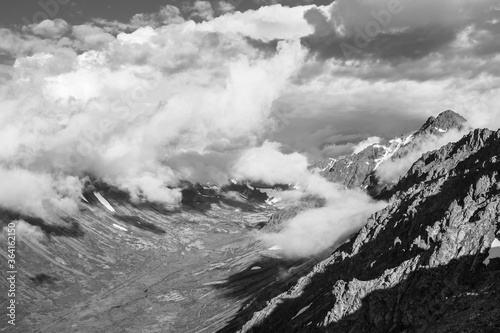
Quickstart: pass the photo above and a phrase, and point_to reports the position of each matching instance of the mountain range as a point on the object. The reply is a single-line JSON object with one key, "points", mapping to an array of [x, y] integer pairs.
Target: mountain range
{"points": [[425, 263]]}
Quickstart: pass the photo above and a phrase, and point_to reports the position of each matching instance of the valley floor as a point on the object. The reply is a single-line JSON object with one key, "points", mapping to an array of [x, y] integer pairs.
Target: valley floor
{"points": [[143, 269]]}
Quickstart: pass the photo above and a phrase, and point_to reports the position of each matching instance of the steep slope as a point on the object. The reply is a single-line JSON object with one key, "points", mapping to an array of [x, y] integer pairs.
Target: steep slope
{"points": [[417, 266], [357, 170]]}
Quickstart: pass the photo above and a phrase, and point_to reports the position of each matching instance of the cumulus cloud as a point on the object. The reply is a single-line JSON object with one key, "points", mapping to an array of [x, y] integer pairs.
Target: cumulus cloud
{"points": [[202, 10], [365, 144], [90, 38], [268, 164], [147, 103], [38, 194], [266, 23], [225, 7], [166, 15], [15, 45], [25, 231], [315, 230], [390, 29], [142, 110], [53, 29]]}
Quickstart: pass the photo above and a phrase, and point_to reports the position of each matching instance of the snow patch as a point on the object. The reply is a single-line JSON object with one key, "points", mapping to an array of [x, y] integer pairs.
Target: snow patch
{"points": [[440, 130], [215, 283], [274, 248], [390, 151], [330, 164], [304, 309], [104, 202], [494, 251], [272, 200], [209, 186], [408, 139], [119, 227], [83, 198]]}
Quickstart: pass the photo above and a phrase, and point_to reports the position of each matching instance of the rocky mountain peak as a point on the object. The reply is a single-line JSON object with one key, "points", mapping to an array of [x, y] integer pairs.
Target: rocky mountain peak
{"points": [[357, 169], [445, 121]]}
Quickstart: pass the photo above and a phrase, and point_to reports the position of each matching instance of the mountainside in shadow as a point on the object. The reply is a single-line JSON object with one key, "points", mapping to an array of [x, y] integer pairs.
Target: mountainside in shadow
{"points": [[358, 169], [419, 264]]}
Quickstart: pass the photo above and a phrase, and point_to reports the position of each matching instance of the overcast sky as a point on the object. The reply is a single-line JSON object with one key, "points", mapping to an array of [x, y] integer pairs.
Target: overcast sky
{"points": [[220, 76]]}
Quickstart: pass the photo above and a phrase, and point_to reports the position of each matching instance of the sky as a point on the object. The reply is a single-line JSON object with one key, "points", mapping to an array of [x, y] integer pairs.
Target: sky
{"points": [[78, 11], [145, 94]]}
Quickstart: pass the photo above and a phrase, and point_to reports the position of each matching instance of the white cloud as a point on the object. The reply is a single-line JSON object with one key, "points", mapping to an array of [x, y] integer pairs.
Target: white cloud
{"points": [[113, 110], [27, 232], [225, 7], [268, 164], [315, 230], [323, 229], [265, 23], [38, 194], [167, 15], [15, 45], [90, 37], [365, 144], [53, 29], [203, 10], [89, 102]]}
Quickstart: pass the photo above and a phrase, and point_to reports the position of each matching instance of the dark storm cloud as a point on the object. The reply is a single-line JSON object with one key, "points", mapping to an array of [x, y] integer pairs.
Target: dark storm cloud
{"points": [[487, 35], [395, 30], [413, 44]]}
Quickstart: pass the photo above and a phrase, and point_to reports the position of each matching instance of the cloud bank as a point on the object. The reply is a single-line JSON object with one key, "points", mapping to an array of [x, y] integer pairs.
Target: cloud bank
{"points": [[315, 230], [142, 110]]}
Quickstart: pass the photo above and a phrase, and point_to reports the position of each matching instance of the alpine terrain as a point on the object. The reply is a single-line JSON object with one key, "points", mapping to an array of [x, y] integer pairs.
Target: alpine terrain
{"points": [[420, 265]]}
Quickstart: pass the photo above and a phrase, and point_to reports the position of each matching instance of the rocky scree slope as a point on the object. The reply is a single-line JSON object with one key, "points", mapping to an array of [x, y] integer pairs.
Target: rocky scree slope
{"points": [[357, 170], [418, 265]]}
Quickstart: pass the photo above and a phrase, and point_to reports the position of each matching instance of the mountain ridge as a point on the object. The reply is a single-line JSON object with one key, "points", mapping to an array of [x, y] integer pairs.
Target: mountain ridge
{"points": [[415, 265], [358, 169]]}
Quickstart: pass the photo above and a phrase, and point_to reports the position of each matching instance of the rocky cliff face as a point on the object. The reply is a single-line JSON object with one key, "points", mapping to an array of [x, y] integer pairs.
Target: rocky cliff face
{"points": [[357, 170], [417, 266]]}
